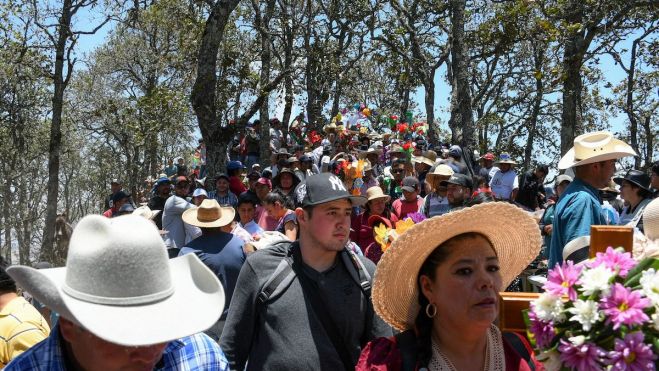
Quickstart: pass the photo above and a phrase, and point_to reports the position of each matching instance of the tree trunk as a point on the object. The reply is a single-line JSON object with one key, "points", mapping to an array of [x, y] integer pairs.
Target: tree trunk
{"points": [[571, 118], [429, 100], [538, 59], [462, 121], [55, 143], [629, 106], [263, 24], [6, 214], [203, 92]]}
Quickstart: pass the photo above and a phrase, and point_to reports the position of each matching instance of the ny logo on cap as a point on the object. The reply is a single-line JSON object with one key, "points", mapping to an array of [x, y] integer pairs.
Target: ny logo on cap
{"points": [[337, 184]]}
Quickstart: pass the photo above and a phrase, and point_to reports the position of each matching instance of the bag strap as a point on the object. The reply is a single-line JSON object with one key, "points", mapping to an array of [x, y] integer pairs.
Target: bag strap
{"points": [[360, 275], [514, 341], [319, 306], [406, 344]]}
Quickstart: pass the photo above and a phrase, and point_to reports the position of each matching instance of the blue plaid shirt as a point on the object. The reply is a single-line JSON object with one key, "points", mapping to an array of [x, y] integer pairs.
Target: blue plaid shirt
{"points": [[230, 199], [195, 352]]}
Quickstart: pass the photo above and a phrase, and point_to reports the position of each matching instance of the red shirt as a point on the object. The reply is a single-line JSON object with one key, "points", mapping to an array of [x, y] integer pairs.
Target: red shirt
{"points": [[236, 186], [402, 207]]}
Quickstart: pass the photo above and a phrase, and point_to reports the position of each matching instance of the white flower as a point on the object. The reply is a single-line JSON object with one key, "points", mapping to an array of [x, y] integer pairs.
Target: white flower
{"points": [[655, 318], [577, 340], [596, 279], [549, 308], [650, 284], [585, 312], [550, 359]]}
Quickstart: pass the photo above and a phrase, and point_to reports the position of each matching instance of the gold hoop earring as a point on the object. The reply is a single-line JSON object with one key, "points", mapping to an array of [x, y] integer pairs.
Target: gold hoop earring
{"points": [[431, 308]]}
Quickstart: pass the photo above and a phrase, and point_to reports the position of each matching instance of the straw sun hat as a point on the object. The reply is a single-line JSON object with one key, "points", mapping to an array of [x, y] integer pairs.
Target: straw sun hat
{"points": [[209, 214], [512, 231]]}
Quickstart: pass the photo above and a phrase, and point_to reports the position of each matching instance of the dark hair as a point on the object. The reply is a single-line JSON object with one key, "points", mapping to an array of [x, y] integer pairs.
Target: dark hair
{"points": [[481, 198], [544, 168], [641, 192], [233, 172], [478, 180], [246, 198], [7, 284], [655, 167], [399, 161], [423, 323], [277, 196]]}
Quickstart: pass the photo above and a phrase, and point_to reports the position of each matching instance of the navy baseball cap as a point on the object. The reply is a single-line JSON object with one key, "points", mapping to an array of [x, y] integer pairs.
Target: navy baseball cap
{"points": [[326, 187], [233, 165]]}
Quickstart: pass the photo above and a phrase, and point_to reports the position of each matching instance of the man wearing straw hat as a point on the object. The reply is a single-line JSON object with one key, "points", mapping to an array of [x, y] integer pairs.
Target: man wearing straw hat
{"points": [[222, 252], [305, 305], [503, 179], [593, 158], [123, 304]]}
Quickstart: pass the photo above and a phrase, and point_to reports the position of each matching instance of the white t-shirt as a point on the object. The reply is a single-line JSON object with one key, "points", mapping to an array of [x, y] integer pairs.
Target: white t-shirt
{"points": [[503, 184]]}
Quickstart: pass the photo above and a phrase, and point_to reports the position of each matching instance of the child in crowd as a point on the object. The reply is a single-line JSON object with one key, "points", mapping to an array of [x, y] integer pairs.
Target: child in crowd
{"points": [[246, 211]]}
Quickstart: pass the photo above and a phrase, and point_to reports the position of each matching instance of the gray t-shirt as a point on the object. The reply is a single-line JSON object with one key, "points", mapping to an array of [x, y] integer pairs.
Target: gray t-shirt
{"points": [[285, 334]]}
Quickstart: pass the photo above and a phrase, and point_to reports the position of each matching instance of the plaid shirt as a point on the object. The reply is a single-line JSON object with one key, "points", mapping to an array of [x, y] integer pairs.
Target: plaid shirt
{"points": [[230, 199], [195, 352]]}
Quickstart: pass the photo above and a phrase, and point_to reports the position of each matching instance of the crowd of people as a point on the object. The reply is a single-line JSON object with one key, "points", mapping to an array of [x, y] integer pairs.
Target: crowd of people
{"points": [[352, 250]]}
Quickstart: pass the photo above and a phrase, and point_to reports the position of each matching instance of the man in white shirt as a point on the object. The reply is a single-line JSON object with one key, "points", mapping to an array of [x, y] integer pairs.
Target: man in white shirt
{"points": [[503, 179]]}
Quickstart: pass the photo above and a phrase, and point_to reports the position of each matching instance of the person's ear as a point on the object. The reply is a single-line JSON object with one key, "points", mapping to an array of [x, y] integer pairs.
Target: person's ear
{"points": [[426, 286], [301, 215]]}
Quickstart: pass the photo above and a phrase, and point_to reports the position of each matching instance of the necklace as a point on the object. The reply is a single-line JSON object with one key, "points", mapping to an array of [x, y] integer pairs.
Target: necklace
{"points": [[494, 356]]}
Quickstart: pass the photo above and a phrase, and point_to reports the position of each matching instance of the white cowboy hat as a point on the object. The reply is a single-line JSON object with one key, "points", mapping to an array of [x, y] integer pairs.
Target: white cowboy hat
{"points": [[119, 284], [209, 214], [146, 212], [511, 231], [595, 147]]}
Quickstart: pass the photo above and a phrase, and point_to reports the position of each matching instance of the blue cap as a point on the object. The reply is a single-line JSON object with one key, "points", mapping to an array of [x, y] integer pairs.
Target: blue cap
{"points": [[233, 165]]}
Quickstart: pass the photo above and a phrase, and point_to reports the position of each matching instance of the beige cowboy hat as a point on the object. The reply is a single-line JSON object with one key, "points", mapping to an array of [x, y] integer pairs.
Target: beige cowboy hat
{"points": [[370, 151], [209, 214], [428, 157], [514, 234], [442, 170], [374, 193], [595, 147], [119, 284]]}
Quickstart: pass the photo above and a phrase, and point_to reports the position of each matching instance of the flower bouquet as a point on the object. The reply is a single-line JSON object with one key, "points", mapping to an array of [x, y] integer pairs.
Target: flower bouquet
{"points": [[601, 314]]}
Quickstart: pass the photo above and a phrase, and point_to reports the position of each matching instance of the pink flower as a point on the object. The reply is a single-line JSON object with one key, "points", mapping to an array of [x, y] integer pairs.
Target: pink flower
{"points": [[624, 306], [581, 355], [632, 354], [543, 331], [562, 278], [619, 262]]}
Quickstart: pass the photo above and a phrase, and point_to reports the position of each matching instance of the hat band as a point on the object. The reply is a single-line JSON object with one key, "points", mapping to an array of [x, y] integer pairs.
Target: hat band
{"points": [[132, 300]]}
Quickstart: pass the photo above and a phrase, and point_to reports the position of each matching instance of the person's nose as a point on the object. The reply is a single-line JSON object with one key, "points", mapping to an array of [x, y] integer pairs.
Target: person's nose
{"points": [[485, 280]]}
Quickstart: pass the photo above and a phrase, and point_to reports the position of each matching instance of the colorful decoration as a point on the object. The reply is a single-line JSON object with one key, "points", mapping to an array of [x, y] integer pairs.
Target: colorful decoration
{"points": [[385, 236]]}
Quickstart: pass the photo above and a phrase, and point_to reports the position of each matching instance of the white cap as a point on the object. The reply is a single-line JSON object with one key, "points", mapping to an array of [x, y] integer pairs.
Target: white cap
{"points": [[199, 192]]}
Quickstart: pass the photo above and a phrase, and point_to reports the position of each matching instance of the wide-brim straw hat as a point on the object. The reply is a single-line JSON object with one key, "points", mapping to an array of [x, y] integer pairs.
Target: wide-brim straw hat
{"points": [[505, 158], [209, 214], [595, 147], [514, 234], [370, 151], [429, 158], [651, 220], [374, 193], [440, 170], [119, 284]]}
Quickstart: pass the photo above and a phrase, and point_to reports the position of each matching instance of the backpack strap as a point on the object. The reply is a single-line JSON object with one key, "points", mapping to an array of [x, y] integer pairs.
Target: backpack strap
{"points": [[279, 280], [362, 278], [517, 344], [406, 344]]}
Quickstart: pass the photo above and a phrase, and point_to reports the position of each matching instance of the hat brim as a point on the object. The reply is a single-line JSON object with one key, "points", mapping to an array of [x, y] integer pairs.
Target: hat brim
{"points": [[618, 181], [198, 297], [387, 197], [190, 216], [514, 235], [408, 188], [355, 200], [620, 149], [423, 160], [511, 162]]}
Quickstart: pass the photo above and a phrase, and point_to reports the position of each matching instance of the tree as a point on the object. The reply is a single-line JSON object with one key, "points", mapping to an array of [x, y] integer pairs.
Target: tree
{"points": [[62, 37]]}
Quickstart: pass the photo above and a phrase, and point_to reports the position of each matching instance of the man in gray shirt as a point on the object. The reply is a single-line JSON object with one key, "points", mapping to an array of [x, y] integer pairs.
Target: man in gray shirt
{"points": [[288, 330]]}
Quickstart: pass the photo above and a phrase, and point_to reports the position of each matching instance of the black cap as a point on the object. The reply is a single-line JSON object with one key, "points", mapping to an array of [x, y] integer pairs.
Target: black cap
{"points": [[410, 184], [306, 158], [119, 196], [222, 176], [461, 180], [326, 187]]}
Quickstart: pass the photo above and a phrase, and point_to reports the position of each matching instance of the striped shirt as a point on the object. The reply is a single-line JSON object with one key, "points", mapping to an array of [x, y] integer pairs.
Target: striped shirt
{"points": [[229, 200], [195, 352], [21, 327]]}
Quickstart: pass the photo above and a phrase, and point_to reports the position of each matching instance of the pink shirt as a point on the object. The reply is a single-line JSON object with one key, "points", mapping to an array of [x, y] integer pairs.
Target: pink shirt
{"points": [[402, 207]]}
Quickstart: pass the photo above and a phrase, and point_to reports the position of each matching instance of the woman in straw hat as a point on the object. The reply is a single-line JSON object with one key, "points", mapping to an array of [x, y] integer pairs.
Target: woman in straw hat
{"points": [[438, 283], [377, 204]]}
